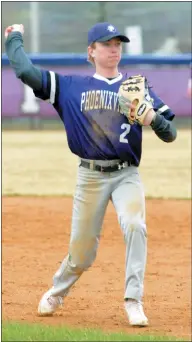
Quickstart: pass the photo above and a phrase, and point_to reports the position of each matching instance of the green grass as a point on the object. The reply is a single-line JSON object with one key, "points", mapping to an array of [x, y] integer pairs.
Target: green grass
{"points": [[36, 332]]}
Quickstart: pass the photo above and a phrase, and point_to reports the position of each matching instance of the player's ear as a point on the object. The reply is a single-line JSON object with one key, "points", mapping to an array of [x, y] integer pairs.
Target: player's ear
{"points": [[89, 58], [89, 50], [91, 54]]}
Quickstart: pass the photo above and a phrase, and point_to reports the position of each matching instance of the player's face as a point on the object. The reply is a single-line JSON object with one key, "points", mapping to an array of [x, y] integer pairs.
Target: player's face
{"points": [[108, 54]]}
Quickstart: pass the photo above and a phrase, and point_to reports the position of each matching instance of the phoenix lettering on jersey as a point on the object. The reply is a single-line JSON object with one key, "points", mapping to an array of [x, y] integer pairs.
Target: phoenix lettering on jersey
{"points": [[99, 99]]}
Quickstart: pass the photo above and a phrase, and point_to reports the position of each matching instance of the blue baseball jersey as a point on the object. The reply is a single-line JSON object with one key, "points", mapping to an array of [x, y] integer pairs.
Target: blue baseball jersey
{"points": [[89, 108]]}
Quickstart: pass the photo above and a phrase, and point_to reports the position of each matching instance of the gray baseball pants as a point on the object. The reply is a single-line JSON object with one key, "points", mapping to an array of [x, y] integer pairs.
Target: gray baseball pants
{"points": [[93, 192]]}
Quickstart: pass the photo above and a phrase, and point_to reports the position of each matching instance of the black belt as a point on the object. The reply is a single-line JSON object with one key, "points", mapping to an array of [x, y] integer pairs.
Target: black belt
{"points": [[116, 167]]}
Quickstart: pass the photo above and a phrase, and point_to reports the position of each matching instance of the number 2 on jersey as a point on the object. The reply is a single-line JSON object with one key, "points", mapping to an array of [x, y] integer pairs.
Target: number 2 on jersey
{"points": [[126, 128]]}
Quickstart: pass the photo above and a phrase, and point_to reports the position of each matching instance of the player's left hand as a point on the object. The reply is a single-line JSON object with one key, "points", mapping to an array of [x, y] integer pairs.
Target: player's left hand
{"points": [[134, 91]]}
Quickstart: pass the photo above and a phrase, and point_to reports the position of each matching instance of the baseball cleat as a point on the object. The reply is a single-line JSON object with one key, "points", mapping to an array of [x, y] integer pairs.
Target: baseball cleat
{"points": [[49, 304], [136, 316]]}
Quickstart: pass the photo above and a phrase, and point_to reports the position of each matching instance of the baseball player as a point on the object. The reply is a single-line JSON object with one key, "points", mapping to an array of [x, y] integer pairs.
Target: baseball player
{"points": [[108, 144]]}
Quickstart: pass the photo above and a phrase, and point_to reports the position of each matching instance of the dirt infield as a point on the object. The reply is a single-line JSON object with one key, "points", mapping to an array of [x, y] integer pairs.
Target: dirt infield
{"points": [[35, 238]]}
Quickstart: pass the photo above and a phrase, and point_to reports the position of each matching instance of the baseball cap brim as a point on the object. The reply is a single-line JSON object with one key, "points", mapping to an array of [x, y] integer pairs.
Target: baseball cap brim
{"points": [[123, 38]]}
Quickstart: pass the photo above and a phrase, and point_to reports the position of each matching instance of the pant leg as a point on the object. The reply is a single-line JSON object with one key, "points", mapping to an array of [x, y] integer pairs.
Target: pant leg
{"points": [[90, 201], [129, 202]]}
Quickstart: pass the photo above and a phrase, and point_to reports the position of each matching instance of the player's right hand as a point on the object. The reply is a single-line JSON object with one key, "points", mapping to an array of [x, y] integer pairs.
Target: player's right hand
{"points": [[14, 27]]}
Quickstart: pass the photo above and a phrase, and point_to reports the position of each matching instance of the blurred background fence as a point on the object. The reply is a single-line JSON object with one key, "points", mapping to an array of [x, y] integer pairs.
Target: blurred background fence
{"points": [[53, 29], [63, 26]]}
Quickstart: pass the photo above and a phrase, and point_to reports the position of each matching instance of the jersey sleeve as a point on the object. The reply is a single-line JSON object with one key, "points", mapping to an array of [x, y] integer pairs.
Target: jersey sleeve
{"points": [[51, 87], [160, 107]]}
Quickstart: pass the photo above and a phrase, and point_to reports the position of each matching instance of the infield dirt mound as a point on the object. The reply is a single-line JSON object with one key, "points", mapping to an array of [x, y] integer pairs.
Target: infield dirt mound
{"points": [[35, 239]]}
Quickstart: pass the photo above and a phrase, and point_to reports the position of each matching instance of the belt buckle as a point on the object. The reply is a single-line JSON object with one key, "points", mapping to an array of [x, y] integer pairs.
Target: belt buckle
{"points": [[91, 165], [102, 169]]}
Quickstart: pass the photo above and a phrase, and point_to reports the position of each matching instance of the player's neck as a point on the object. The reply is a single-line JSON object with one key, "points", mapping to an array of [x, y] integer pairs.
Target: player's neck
{"points": [[107, 73]]}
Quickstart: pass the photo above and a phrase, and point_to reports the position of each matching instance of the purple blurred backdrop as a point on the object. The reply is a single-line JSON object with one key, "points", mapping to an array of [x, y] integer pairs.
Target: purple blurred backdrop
{"points": [[170, 84]]}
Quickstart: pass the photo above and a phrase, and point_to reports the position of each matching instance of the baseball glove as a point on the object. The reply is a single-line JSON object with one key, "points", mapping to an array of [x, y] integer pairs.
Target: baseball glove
{"points": [[134, 91]]}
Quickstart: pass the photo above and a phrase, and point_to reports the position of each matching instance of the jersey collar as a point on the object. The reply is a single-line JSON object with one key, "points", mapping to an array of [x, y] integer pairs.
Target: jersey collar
{"points": [[101, 78]]}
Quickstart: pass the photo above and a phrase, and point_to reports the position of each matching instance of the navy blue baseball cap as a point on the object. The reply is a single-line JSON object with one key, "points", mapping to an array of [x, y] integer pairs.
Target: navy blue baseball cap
{"points": [[101, 32]]}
